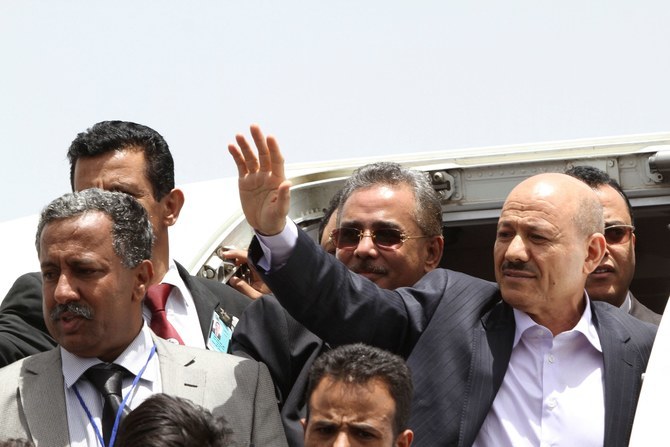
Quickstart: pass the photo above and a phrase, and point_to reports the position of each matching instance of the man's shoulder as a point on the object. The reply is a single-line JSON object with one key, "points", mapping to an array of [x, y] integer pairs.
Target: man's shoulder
{"points": [[642, 312], [613, 318], [455, 285], [26, 285], [32, 364]]}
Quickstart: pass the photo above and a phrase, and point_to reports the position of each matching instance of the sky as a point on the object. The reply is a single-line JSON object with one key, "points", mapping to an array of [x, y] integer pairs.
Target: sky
{"points": [[330, 80]]}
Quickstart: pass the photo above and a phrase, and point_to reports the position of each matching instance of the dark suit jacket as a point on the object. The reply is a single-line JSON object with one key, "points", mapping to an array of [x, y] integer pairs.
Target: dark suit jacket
{"points": [[209, 296], [268, 334], [32, 394], [22, 328], [642, 312], [456, 335]]}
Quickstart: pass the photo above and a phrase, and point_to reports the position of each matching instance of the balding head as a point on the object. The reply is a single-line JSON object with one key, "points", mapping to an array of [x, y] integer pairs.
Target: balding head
{"points": [[548, 241]]}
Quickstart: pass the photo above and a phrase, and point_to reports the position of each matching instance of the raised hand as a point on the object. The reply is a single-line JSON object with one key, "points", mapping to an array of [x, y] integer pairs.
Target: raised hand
{"points": [[264, 190]]}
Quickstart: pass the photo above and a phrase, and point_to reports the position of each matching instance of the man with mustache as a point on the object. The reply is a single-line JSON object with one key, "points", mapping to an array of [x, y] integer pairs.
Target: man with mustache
{"points": [[610, 282], [94, 249], [545, 365], [135, 159], [377, 198]]}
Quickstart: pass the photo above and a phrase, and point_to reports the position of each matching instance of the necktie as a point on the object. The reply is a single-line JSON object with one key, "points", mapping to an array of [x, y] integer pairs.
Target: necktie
{"points": [[107, 378], [155, 300]]}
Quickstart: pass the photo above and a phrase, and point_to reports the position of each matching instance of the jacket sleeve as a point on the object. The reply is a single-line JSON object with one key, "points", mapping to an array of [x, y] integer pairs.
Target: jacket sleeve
{"points": [[22, 328]]}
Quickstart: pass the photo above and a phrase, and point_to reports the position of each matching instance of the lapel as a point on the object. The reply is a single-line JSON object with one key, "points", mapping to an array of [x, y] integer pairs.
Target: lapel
{"points": [[43, 399], [491, 351], [622, 377], [180, 375], [205, 302]]}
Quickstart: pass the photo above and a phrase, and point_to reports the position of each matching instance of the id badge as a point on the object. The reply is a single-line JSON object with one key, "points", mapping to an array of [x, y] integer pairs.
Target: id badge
{"points": [[219, 334]]}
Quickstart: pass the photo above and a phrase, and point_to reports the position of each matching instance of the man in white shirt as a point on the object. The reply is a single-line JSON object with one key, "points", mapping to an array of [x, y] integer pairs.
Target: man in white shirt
{"points": [[485, 371], [95, 249]]}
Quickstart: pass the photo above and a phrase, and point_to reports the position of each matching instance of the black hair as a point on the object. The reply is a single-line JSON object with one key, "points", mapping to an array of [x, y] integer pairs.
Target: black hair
{"points": [[358, 364], [107, 136]]}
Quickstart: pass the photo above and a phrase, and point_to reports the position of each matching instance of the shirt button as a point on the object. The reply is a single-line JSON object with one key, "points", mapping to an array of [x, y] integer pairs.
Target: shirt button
{"points": [[551, 403], [551, 358]]}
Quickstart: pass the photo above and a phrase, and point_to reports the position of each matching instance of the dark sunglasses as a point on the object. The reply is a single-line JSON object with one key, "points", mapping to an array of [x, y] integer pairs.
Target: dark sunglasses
{"points": [[618, 234], [384, 238]]}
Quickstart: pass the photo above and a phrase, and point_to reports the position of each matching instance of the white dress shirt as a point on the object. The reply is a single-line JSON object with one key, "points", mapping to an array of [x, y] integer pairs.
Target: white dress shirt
{"points": [[552, 393], [180, 309], [627, 303], [278, 248], [82, 433]]}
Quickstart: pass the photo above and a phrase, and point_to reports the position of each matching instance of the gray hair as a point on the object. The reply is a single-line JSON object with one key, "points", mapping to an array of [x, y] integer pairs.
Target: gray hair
{"points": [[428, 210], [132, 235], [588, 216]]}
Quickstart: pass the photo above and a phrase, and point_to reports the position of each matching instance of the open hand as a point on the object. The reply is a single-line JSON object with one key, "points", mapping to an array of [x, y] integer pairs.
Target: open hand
{"points": [[264, 190]]}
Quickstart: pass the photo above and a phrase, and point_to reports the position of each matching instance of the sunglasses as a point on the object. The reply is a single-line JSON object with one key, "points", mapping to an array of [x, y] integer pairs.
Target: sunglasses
{"points": [[618, 234], [385, 238]]}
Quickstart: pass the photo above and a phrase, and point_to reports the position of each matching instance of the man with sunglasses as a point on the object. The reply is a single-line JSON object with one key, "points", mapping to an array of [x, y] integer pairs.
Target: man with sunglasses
{"points": [[610, 282], [390, 231], [544, 366]]}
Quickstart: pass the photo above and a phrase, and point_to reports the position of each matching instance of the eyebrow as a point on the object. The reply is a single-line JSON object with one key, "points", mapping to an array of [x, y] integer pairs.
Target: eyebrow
{"points": [[615, 222]]}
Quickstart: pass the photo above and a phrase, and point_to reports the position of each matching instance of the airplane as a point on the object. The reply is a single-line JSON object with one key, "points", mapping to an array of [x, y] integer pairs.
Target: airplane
{"points": [[472, 184]]}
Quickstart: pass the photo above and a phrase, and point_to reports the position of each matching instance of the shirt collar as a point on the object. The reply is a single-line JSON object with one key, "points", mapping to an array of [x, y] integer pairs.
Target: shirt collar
{"points": [[627, 303], [584, 326], [173, 278], [133, 358]]}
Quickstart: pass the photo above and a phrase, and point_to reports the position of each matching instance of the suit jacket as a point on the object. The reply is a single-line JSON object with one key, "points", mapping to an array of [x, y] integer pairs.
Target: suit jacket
{"points": [[209, 296], [22, 328], [33, 399], [268, 334], [642, 312], [456, 335]]}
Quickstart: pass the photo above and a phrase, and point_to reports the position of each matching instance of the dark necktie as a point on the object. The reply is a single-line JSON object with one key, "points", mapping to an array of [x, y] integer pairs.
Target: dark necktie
{"points": [[155, 300], [107, 379]]}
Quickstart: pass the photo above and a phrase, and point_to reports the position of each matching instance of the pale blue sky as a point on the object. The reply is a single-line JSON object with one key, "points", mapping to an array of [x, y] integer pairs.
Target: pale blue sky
{"points": [[330, 79]]}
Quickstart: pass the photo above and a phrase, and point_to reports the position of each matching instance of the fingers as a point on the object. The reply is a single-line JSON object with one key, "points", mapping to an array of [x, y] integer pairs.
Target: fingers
{"points": [[276, 157], [248, 155], [238, 158], [269, 157], [243, 287], [261, 146], [238, 255]]}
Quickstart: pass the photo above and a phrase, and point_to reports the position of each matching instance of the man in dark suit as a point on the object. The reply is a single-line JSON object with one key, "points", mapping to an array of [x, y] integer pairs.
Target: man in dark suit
{"points": [[135, 159], [576, 358], [267, 333], [610, 282], [94, 248]]}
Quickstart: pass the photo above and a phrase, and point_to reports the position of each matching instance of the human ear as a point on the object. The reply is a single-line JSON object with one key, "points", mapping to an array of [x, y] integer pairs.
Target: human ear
{"points": [[144, 272], [171, 205]]}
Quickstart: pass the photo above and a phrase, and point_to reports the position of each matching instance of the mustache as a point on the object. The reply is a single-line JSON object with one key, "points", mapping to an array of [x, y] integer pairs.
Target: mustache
{"points": [[368, 267], [73, 307], [520, 266]]}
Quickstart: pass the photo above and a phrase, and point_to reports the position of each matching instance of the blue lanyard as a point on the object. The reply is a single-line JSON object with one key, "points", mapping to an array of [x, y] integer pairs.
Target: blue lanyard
{"points": [[115, 427]]}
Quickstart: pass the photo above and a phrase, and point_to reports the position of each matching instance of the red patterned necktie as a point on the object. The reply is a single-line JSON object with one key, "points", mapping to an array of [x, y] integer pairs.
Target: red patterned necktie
{"points": [[155, 300]]}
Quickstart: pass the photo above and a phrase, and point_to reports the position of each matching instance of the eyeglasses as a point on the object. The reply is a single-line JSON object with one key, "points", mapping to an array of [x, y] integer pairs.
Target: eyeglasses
{"points": [[385, 238], [618, 234]]}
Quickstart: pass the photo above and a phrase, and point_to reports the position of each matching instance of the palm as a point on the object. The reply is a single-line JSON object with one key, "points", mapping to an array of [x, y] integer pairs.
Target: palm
{"points": [[262, 184]]}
